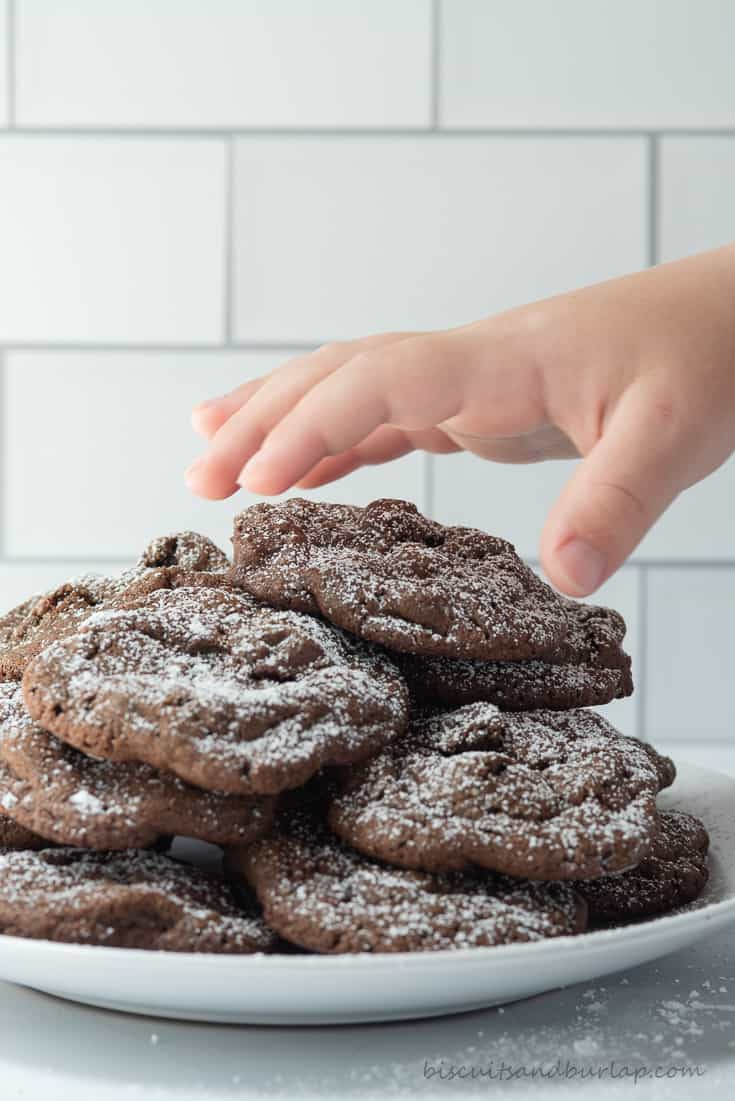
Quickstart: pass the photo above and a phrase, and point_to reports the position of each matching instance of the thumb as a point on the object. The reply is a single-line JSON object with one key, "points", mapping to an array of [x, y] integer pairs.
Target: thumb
{"points": [[631, 475]]}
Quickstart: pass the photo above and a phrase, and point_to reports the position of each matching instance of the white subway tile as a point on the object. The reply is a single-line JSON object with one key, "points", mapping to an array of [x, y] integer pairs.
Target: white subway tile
{"points": [[689, 655], [4, 74], [697, 184], [573, 63], [236, 63], [700, 524], [506, 499], [111, 240], [19, 580], [622, 592], [96, 446], [514, 501], [341, 237]]}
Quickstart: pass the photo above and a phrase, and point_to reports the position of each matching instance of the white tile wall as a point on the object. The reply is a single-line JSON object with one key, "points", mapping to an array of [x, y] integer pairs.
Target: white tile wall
{"points": [[112, 240], [143, 271], [587, 63], [510, 499], [4, 52], [232, 63], [697, 188], [623, 591], [700, 524], [107, 476], [339, 237], [516, 499], [689, 655]]}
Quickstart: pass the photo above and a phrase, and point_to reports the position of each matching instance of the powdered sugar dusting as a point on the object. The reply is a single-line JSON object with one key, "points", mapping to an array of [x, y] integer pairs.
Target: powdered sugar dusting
{"points": [[548, 795], [25, 630], [588, 667], [224, 692], [69, 894], [672, 873], [389, 574], [71, 798], [325, 896]]}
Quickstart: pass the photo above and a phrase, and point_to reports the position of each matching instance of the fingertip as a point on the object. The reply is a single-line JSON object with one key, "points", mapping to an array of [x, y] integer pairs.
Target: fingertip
{"points": [[207, 418], [575, 567], [204, 481]]}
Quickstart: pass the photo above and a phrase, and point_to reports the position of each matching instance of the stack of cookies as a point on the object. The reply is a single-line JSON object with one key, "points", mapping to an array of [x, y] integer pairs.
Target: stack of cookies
{"points": [[382, 721]]}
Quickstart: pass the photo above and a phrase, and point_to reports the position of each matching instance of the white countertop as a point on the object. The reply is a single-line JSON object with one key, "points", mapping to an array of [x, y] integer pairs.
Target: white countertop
{"points": [[679, 1012]]}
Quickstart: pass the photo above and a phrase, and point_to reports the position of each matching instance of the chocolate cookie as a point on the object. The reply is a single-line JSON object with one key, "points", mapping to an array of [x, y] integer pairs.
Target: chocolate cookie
{"points": [[27, 629], [73, 799], [13, 836], [186, 549], [673, 873], [388, 574], [321, 895], [131, 899], [226, 693], [539, 795], [589, 667]]}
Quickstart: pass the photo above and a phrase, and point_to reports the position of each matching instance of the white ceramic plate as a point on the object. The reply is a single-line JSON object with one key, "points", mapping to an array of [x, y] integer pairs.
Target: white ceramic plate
{"points": [[340, 989]]}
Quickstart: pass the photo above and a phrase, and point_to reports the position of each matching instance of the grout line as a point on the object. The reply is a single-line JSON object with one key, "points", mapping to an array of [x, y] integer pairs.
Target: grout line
{"points": [[435, 75], [229, 244], [10, 62], [639, 675], [219, 132], [668, 563], [51, 348], [68, 560], [653, 194]]}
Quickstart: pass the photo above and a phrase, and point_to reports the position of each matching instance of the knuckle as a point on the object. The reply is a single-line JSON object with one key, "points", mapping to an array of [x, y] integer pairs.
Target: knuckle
{"points": [[621, 498], [334, 350], [291, 366]]}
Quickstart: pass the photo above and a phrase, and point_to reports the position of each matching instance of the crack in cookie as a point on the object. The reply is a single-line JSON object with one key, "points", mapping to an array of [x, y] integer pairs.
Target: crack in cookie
{"points": [[73, 799], [227, 694], [321, 895], [542, 795], [40, 620], [390, 575], [131, 899]]}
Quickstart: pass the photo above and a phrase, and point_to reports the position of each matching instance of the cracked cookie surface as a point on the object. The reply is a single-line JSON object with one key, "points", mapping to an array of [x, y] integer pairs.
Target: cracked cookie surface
{"points": [[40, 620], [589, 667], [226, 693], [390, 575], [131, 899], [72, 799], [321, 895], [540, 794]]}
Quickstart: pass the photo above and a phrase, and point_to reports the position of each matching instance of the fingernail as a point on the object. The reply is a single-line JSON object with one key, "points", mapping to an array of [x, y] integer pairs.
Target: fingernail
{"points": [[583, 565], [209, 401]]}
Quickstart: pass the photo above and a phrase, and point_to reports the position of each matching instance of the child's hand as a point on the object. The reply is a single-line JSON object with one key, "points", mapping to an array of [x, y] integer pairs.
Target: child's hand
{"points": [[637, 375]]}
